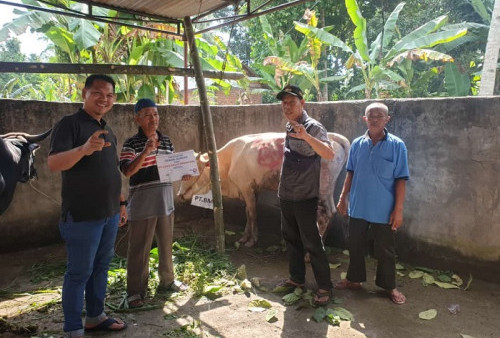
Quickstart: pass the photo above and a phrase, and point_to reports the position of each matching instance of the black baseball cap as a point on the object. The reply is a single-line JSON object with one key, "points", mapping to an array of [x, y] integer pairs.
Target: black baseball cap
{"points": [[292, 90]]}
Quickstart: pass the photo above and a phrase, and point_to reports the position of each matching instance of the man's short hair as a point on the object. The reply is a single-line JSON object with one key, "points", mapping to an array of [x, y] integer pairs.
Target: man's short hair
{"points": [[95, 77], [377, 106]]}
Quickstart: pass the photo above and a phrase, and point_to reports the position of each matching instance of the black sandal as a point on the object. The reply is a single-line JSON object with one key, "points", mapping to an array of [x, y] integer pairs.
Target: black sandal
{"points": [[322, 294]]}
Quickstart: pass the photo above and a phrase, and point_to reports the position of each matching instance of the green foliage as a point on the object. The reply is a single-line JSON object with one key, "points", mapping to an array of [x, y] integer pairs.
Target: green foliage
{"points": [[198, 265], [41, 272]]}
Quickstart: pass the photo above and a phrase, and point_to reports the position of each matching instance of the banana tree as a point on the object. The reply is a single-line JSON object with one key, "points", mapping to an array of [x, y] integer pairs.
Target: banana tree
{"points": [[81, 41], [291, 62], [375, 60]]}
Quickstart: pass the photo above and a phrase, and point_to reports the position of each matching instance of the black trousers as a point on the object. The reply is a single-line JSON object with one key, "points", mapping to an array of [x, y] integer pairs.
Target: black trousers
{"points": [[384, 251], [301, 235]]}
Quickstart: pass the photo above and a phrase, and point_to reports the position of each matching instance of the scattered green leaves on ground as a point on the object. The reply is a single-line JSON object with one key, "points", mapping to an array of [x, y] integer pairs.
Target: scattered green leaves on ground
{"points": [[259, 305], [428, 314], [333, 316]]}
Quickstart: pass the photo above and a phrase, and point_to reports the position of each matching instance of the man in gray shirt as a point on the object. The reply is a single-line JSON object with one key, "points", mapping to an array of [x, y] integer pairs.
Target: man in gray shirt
{"points": [[305, 144]]}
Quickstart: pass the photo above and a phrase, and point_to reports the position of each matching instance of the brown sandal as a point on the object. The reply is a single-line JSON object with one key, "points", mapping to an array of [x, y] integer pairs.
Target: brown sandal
{"points": [[136, 303]]}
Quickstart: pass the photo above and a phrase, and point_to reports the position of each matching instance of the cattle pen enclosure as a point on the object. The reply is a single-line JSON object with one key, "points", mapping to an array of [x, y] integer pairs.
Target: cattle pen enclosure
{"points": [[452, 203]]}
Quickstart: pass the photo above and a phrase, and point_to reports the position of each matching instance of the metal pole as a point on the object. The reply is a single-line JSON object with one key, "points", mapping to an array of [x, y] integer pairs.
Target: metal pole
{"points": [[209, 133]]}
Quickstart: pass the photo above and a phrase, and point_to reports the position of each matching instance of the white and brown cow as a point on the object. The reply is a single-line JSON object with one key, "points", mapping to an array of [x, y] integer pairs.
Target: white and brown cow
{"points": [[250, 163]]}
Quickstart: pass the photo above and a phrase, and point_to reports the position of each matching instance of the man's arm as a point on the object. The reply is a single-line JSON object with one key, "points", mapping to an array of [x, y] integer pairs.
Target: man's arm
{"points": [[323, 149], [396, 219], [131, 167], [342, 204], [67, 159]]}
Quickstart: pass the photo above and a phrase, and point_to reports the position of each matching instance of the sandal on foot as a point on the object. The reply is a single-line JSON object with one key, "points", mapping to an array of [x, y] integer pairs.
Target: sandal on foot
{"points": [[396, 296], [107, 325], [287, 286], [136, 303], [347, 285], [322, 294], [175, 286]]}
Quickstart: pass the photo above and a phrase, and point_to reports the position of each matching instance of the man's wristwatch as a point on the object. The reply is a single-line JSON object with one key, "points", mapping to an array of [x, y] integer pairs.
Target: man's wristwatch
{"points": [[125, 203]]}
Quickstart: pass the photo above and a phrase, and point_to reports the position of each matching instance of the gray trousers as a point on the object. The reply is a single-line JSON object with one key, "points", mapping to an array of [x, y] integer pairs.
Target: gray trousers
{"points": [[384, 250], [140, 239]]}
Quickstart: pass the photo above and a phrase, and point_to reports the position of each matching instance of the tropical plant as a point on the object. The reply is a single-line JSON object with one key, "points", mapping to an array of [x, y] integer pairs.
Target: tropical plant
{"points": [[78, 40], [375, 61]]}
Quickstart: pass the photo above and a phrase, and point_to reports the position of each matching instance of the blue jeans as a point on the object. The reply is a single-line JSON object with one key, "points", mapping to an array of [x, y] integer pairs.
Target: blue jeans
{"points": [[90, 248]]}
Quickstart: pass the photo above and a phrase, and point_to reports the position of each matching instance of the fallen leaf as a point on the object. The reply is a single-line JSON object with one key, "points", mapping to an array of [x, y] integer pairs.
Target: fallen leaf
{"points": [[334, 266], [415, 274], [343, 275], [399, 267], [344, 314], [457, 280], [421, 268], [346, 252], [273, 248], [446, 285], [271, 316], [255, 281], [291, 298], [258, 305], [399, 273], [468, 283], [319, 314], [241, 273], [428, 315], [444, 278], [246, 284], [229, 233], [237, 245], [427, 279]]}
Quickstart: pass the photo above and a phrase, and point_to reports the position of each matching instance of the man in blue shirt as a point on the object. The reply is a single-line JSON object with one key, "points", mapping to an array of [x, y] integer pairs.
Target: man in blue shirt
{"points": [[377, 171]]}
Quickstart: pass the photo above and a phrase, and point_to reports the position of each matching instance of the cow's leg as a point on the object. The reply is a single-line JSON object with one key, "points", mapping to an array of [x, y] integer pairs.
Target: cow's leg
{"points": [[251, 232]]}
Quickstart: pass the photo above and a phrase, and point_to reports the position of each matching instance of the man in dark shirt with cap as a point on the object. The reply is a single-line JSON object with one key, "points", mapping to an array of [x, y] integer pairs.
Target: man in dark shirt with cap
{"points": [[83, 149], [306, 143]]}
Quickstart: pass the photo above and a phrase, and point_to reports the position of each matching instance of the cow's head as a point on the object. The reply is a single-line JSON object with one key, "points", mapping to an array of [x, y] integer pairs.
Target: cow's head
{"points": [[197, 185], [22, 148]]}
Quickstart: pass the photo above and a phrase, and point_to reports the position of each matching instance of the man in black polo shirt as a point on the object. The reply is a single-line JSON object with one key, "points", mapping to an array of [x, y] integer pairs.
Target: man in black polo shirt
{"points": [[83, 149], [306, 143]]}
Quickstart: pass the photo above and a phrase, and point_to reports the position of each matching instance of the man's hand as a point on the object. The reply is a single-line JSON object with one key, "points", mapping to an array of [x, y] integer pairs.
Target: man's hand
{"points": [[396, 219], [95, 143], [299, 130], [151, 144], [342, 207], [123, 216]]}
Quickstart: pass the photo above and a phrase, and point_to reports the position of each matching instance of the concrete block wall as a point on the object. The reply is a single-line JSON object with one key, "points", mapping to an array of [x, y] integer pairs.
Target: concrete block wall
{"points": [[452, 207]]}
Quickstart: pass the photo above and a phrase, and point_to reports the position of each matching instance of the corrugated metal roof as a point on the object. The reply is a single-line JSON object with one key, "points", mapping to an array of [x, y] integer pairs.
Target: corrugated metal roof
{"points": [[174, 9]]}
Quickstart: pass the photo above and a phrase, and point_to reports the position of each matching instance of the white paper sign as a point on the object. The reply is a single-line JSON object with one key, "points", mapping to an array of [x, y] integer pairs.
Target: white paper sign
{"points": [[172, 167], [204, 201]]}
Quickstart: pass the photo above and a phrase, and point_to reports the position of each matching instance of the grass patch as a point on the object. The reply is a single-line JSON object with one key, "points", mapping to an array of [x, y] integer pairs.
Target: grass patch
{"points": [[41, 272], [195, 264]]}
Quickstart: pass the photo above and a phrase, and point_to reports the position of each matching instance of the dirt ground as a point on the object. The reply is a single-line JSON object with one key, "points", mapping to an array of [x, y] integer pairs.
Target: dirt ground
{"points": [[229, 316]]}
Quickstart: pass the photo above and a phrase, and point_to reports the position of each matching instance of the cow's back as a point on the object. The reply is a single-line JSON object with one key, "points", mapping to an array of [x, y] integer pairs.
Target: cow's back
{"points": [[255, 161]]}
